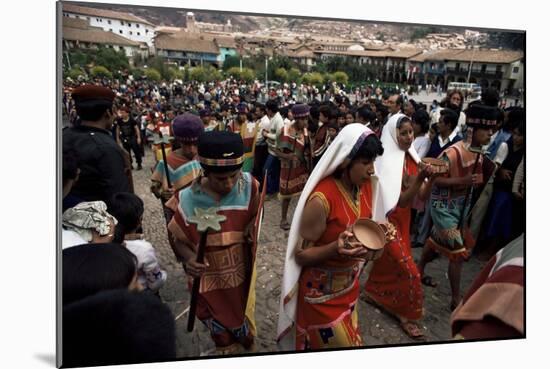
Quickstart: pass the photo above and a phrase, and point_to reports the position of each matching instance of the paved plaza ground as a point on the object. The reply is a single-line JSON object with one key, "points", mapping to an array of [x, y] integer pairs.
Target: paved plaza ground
{"points": [[377, 327]]}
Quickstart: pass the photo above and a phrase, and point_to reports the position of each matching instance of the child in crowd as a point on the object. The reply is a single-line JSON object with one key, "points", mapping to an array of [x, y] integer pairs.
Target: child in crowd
{"points": [[128, 209]]}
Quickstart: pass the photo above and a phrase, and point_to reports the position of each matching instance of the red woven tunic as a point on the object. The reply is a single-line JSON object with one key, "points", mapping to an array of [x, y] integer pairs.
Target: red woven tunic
{"points": [[328, 293], [394, 282]]}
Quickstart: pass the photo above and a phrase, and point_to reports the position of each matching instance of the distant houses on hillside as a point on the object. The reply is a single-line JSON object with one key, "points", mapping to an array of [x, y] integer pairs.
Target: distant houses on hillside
{"points": [[203, 44]]}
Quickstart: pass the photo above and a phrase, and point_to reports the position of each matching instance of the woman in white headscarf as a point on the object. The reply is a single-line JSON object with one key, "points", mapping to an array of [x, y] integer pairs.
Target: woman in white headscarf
{"points": [[394, 281], [318, 307]]}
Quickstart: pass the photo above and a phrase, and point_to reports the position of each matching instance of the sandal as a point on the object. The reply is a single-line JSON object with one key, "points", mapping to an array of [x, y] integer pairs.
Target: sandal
{"points": [[428, 281], [285, 226], [412, 330]]}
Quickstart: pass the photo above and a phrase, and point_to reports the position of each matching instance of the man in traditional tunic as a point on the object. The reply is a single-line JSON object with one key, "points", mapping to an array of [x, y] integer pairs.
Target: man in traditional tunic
{"points": [[182, 165], [451, 198], [226, 297]]}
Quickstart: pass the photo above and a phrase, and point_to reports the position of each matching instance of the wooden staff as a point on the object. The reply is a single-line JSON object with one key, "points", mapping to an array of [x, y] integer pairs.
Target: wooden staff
{"points": [[164, 160], [311, 154], [196, 284]]}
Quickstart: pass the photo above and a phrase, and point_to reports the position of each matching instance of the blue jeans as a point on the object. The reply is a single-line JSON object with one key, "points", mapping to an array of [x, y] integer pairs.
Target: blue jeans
{"points": [[273, 167]]}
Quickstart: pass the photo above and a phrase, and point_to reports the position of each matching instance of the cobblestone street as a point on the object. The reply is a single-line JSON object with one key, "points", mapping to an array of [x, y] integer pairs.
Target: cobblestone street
{"points": [[377, 327]]}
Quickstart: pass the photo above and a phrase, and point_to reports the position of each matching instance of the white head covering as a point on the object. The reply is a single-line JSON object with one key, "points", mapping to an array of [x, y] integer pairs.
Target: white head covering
{"points": [[87, 217], [341, 149], [389, 170]]}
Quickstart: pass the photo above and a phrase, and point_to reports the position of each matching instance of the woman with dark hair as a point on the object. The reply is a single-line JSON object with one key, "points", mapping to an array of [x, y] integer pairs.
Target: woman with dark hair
{"points": [[295, 155], [319, 305], [91, 268], [394, 282], [411, 107], [420, 121]]}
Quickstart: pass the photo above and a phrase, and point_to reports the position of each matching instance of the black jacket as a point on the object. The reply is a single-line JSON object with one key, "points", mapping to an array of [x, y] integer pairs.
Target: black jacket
{"points": [[101, 162]]}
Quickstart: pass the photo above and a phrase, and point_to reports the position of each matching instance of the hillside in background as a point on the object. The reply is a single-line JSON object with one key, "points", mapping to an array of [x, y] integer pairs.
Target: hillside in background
{"points": [[352, 30]]}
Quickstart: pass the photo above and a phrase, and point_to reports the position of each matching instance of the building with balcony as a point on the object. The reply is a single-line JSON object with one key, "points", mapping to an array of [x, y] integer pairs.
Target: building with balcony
{"points": [[500, 69], [301, 54], [189, 49], [390, 64]]}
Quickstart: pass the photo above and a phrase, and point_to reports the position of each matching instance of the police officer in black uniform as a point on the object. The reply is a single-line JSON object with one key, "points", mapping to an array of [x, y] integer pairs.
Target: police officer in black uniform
{"points": [[103, 165]]}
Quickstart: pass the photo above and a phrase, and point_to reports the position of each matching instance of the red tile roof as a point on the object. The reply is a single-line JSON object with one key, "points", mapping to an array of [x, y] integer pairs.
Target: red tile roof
{"points": [[480, 56], [70, 8], [185, 42], [94, 35]]}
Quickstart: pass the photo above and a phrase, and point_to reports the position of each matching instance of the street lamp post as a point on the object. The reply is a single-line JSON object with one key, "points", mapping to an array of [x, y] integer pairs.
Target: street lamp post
{"points": [[471, 60], [266, 86]]}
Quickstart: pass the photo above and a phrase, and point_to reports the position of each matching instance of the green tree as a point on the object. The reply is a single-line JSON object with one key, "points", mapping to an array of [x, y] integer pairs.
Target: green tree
{"points": [[340, 77], [153, 74], [281, 75], [137, 73], [248, 75], [212, 74], [170, 74], [231, 62], [197, 74], [75, 73], [313, 78], [205, 74], [320, 67], [110, 58], [234, 71], [100, 71], [178, 73], [294, 75], [78, 58]]}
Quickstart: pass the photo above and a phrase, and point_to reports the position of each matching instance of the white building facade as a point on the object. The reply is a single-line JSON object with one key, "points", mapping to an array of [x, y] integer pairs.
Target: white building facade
{"points": [[121, 24]]}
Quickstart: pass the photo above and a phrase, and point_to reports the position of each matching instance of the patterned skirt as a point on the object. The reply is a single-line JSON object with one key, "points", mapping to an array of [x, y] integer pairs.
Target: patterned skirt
{"points": [[394, 282], [327, 308], [293, 178]]}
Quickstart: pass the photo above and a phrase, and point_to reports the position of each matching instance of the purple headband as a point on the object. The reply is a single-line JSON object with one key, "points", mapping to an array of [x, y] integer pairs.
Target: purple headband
{"points": [[359, 142]]}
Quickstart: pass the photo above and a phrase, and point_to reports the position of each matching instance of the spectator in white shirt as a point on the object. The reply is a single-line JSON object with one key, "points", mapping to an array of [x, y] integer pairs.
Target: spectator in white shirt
{"points": [[272, 164]]}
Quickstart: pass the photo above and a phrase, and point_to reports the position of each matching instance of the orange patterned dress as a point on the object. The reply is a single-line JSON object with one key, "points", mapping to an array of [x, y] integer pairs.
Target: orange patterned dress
{"points": [[394, 282], [294, 173], [328, 293]]}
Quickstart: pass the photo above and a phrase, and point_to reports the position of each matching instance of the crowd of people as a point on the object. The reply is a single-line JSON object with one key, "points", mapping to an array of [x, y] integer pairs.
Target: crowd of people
{"points": [[226, 146]]}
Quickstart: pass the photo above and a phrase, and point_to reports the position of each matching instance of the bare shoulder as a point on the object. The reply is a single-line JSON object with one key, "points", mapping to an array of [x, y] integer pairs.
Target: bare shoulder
{"points": [[314, 217]]}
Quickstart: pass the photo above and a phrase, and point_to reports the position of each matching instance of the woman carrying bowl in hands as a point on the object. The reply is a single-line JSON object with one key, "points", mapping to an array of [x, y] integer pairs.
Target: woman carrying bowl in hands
{"points": [[318, 307], [394, 281]]}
